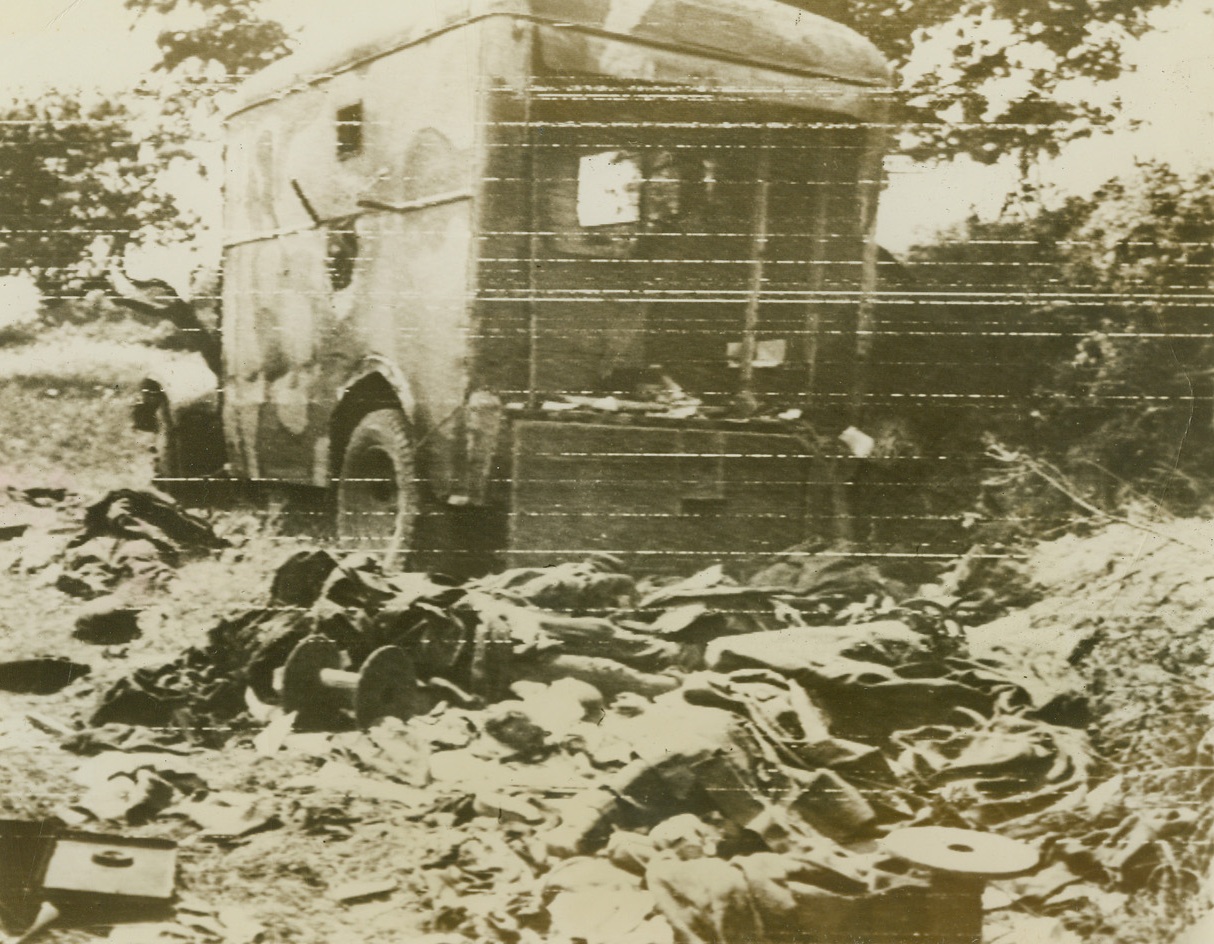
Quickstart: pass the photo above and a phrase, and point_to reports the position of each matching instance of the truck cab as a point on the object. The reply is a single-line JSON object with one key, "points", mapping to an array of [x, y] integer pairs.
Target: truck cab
{"points": [[591, 276]]}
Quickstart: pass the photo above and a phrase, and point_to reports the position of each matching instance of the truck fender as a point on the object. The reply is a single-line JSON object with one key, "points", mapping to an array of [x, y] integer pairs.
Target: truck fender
{"points": [[187, 385], [386, 371], [376, 383]]}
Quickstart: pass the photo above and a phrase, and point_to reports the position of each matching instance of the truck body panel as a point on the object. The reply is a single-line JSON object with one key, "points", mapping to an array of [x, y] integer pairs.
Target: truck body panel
{"points": [[305, 304], [656, 493], [527, 201]]}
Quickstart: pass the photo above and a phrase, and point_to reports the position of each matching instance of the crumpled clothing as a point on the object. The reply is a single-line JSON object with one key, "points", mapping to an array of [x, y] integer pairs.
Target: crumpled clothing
{"points": [[789, 651], [358, 583], [739, 609], [533, 630], [96, 567], [685, 750], [593, 584], [299, 580], [125, 738], [788, 720], [188, 694], [248, 648], [135, 787], [355, 582], [137, 797], [1004, 768], [202, 690], [135, 515], [869, 706], [686, 836], [482, 887], [440, 640], [826, 578], [132, 535], [776, 898], [876, 678], [1044, 656]]}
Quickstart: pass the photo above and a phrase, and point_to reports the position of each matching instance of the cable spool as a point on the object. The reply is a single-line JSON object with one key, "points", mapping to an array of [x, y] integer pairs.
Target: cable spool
{"points": [[315, 685], [962, 851], [960, 862]]}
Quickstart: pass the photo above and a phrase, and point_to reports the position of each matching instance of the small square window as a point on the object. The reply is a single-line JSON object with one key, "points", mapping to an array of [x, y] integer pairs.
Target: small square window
{"points": [[350, 130], [609, 189]]}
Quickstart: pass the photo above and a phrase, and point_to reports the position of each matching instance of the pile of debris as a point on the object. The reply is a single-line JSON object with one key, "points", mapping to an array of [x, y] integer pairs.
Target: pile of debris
{"points": [[821, 754], [700, 760], [89, 551]]}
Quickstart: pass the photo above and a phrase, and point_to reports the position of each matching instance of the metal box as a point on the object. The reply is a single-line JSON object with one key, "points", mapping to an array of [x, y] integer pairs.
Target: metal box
{"points": [[97, 869]]}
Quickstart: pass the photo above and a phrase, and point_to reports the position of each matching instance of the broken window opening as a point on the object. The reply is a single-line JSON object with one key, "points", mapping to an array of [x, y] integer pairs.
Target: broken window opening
{"points": [[609, 189], [350, 130], [621, 194]]}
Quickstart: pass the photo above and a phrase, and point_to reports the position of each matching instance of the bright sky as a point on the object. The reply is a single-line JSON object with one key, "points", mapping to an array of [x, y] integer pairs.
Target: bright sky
{"points": [[72, 42], [1169, 96], [98, 43], [95, 43]]}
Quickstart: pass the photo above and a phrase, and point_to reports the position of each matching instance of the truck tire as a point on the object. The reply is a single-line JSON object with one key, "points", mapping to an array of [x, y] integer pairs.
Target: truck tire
{"points": [[166, 464], [377, 495]]}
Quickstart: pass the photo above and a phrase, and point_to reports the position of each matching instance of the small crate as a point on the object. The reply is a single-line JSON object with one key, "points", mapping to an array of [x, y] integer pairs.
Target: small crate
{"points": [[99, 870]]}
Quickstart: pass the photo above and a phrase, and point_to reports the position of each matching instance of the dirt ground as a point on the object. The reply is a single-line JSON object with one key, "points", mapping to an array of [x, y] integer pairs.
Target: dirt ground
{"points": [[1138, 596], [67, 426]]}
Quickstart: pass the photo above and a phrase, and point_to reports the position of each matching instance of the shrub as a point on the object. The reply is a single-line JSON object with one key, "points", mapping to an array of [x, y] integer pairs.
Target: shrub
{"points": [[1100, 363]]}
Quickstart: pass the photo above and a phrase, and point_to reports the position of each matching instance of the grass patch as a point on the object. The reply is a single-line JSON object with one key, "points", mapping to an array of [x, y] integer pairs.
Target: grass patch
{"points": [[70, 435], [67, 418]]}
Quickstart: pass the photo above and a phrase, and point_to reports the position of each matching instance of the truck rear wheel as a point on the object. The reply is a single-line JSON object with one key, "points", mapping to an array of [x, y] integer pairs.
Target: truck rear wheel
{"points": [[377, 495]]}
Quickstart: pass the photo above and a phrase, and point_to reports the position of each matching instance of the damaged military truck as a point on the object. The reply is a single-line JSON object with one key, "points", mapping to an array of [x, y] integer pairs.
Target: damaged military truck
{"points": [[587, 275]]}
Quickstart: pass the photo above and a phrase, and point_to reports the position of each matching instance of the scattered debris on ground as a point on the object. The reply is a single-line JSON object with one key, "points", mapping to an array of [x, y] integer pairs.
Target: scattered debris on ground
{"points": [[132, 535], [576, 753]]}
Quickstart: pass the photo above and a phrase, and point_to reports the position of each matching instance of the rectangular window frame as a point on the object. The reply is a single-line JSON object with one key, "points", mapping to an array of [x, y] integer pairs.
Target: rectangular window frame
{"points": [[351, 134]]}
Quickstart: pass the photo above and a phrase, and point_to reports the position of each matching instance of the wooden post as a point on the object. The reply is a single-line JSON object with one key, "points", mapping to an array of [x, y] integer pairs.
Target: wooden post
{"points": [[534, 242], [819, 237], [758, 254], [868, 190]]}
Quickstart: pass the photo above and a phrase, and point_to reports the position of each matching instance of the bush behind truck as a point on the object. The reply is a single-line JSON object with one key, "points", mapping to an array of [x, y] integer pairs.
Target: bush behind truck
{"points": [[582, 276]]}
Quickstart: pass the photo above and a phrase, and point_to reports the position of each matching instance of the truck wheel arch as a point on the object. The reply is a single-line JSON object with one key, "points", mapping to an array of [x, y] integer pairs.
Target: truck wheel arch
{"points": [[376, 494], [378, 386]]}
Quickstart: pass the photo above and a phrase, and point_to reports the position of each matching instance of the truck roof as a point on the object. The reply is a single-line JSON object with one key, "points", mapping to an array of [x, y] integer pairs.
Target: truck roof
{"points": [[767, 33]]}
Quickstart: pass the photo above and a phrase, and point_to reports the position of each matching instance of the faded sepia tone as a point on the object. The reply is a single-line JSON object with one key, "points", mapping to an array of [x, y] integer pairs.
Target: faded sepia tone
{"points": [[655, 471]]}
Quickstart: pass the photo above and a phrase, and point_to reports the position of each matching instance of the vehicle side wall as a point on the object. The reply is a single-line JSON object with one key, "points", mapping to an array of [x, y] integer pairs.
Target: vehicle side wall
{"points": [[294, 337], [555, 317]]}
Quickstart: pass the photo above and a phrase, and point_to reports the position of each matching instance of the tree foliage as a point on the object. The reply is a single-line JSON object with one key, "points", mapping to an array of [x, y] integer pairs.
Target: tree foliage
{"points": [[233, 34], [1110, 335], [77, 181], [987, 78]]}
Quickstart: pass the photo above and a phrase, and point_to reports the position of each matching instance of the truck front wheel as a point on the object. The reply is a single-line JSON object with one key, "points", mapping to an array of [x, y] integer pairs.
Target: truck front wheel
{"points": [[377, 495]]}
